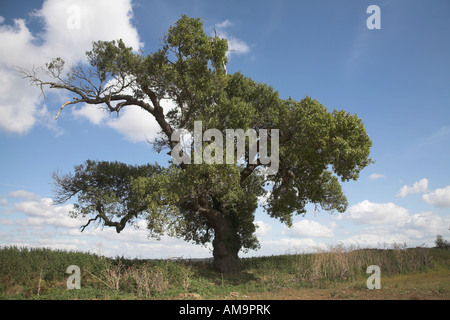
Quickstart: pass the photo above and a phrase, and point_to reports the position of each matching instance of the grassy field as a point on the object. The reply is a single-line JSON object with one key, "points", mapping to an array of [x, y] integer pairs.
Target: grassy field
{"points": [[338, 273]]}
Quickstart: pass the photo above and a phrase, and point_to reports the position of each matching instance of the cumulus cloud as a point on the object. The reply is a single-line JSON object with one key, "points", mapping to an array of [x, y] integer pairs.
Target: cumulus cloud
{"points": [[418, 187], [413, 230], [19, 104], [308, 228], [68, 30], [71, 26], [41, 213], [366, 212], [425, 224], [135, 124], [389, 223], [439, 198]]}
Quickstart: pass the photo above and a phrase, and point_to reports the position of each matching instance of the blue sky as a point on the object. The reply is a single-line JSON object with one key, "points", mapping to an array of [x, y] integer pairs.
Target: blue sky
{"points": [[397, 79]]}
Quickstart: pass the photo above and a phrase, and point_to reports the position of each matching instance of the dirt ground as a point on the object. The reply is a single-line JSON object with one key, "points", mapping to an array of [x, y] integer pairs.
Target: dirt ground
{"points": [[350, 294], [426, 286]]}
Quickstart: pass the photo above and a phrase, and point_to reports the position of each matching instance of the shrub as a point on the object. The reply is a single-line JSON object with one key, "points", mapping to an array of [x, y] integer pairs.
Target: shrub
{"points": [[441, 243]]}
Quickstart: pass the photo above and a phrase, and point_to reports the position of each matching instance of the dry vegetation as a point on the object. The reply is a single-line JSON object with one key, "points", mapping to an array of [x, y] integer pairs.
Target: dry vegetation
{"points": [[337, 273]]}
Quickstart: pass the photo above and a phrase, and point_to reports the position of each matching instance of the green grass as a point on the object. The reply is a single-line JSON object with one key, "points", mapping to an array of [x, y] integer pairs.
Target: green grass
{"points": [[40, 273]]}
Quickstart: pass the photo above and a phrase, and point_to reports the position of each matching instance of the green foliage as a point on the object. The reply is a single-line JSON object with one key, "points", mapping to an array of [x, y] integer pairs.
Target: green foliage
{"points": [[314, 144], [104, 188], [33, 271], [55, 67]]}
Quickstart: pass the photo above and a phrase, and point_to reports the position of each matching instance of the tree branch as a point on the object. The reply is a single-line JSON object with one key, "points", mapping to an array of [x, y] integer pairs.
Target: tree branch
{"points": [[248, 170], [107, 222], [89, 221], [66, 104]]}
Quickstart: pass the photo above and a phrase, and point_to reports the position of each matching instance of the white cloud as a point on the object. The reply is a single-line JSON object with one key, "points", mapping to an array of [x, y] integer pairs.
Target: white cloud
{"points": [[262, 228], [439, 198], [292, 246], [19, 111], [98, 20], [61, 244], [389, 223], [418, 187], [308, 228], [23, 194], [373, 239], [367, 212], [414, 230], [235, 45], [47, 120], [43, 213], [375, 176], [94, 114], [426, 224], [135, 124], [224, 24]]}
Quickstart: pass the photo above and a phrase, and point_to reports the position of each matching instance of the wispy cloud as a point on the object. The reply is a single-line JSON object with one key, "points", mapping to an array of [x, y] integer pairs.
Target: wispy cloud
{"points": [[224, 24], [375, 176], [443, 133], [358, 50], [23, 194], [235, 45]]}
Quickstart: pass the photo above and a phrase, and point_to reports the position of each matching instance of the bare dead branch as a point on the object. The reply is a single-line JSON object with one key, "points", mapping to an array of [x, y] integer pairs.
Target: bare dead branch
{"points": [[66, 104]]}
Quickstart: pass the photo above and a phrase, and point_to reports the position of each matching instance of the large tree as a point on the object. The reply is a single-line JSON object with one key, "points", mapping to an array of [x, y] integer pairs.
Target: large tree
{"points": [[204, 202]]}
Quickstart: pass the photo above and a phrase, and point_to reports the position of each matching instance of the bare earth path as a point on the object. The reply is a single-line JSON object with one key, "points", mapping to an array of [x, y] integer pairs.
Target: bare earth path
{"points": [[433, 285]]}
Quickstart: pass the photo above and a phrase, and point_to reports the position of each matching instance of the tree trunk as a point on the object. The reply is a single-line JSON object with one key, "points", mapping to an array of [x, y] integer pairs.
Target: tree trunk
{"points": [[226, 245], [225, 253]]}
